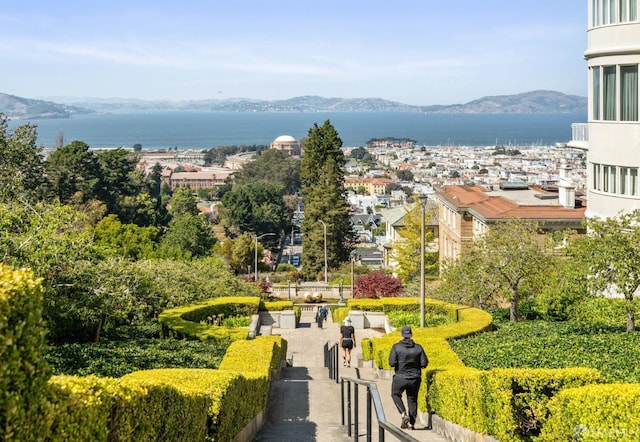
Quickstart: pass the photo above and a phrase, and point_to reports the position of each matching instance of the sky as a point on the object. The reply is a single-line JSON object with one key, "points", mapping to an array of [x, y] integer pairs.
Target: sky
{"points": [[419, 52]]}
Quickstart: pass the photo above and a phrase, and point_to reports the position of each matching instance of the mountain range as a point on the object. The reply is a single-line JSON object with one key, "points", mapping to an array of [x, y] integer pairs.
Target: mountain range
{"points": [[541, 101]]}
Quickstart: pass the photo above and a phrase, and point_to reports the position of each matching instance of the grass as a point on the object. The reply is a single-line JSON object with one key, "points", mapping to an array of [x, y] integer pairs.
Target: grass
{"points": [[117, 358], [541, 344]]}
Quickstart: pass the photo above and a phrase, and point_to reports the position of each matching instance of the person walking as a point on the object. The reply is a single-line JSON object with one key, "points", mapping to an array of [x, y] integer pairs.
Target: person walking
{"points": [[407, 359], [321, 316], [347, 341]]}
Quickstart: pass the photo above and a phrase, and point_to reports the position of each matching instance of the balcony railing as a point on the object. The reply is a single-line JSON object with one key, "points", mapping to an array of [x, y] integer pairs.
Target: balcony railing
{"points": [[579, 136], [579, 132]]}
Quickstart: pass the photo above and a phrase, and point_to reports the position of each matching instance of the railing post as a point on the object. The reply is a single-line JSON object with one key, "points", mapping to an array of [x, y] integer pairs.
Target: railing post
{"points": [[368, 414], [336, 359], [349, 409], [342, 402], [356, 412]]}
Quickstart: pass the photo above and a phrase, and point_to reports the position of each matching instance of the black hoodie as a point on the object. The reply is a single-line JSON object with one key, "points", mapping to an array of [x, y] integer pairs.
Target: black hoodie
{"points": [[408, 359]]}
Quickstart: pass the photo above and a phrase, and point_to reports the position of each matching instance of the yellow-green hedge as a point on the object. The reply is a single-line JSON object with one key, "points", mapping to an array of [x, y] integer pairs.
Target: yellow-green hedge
{"points": [[517, 398], [190, 320], [23, 370], [386, 305], [274, 306], [457, 395], [602, 413], [167, 404]]}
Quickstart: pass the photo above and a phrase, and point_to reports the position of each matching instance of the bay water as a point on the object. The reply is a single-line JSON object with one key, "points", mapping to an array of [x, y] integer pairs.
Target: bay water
{"points": [[204, 130]]}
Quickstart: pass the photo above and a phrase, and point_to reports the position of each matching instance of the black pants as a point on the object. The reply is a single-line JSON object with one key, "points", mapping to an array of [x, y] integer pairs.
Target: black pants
{"points": [[411, 386]]}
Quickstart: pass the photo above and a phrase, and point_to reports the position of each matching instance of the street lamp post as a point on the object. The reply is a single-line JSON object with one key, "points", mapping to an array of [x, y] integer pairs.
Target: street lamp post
{"points": [[255, 262], [324, 228], [423, 202]]}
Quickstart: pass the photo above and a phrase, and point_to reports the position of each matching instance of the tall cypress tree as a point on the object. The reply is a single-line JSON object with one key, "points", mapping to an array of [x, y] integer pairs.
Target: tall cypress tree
{"points": [[323, 195]]}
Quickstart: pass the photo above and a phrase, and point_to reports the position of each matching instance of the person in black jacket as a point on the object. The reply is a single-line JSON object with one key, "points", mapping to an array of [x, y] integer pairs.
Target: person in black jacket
{"points": [[407, 359]]}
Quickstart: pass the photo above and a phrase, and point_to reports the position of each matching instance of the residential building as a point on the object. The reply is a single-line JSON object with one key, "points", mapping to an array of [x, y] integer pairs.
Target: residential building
{"points": [[371, 186], [612, 133], [467, 212]]}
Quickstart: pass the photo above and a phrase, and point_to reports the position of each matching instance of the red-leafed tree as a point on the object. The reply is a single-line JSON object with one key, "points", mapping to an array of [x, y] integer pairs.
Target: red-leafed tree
{"points": [[377, 285]]}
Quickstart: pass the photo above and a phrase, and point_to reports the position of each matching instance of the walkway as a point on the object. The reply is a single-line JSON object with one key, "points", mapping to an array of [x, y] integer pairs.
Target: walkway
{"points": [[304, 406]]}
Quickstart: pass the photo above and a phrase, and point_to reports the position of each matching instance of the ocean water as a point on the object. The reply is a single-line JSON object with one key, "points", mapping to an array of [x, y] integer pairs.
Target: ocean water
{"points": [[204, 130]]}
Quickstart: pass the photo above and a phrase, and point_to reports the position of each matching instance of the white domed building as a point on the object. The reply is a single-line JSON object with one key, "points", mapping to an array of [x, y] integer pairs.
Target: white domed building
{"points": [[287, 144]]}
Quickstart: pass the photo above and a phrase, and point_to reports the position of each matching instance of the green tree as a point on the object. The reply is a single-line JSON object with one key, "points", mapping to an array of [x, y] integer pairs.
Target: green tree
{"points": [[406, 251], [21, 170], [74, 173], [183, 202], [188, 236], [610, 255], [117, 168], [125, 240], [508, 264], [273, 166], [323, 195], [257, 207], [405, 175]]}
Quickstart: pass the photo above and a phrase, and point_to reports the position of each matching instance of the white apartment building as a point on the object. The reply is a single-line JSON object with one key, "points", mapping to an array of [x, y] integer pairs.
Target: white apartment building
{"points": [[612, 134]]}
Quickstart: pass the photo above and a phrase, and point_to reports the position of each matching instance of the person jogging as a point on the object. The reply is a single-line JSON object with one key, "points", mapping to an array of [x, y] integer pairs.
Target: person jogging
{"points": [[347, 341], [407, 359]]}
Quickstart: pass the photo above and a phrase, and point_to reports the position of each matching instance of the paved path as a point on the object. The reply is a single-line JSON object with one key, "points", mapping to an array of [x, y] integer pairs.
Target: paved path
{"points": [[305, 404]]}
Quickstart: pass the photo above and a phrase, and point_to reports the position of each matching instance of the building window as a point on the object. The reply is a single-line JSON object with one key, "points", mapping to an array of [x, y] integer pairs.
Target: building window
{"points": [[609, 12], [628, 10], [615, 179], [629, 181], [595, 13], [629, 93], [596, 92], [609, 93]]}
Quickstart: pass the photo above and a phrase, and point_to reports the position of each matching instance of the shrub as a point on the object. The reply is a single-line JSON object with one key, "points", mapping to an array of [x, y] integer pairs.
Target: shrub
{"points": [[377, 285], [607, 412], [23, 370]]}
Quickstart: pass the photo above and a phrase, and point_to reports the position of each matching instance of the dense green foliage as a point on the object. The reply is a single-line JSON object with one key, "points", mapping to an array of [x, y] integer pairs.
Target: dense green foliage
{"points": [[323, 193], [507, 264], [23, 371], [21, 170], [255, 207], [610, 257], [117, 358], [401, 318], [275, 167], [540, 344]]}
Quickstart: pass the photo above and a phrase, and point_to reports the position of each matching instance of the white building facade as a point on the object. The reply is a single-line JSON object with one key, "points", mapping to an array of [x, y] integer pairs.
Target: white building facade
{"points": [[612, 135]]}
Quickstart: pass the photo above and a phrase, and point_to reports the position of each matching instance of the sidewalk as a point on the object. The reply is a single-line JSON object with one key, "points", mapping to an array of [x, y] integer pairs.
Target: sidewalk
{"points": [[305, 404]]}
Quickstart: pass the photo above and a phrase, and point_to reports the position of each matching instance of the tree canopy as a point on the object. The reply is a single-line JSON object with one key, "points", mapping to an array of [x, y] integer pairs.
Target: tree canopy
{"points": [[610, 255], [508, 264], [406, 251], [323, 194]]}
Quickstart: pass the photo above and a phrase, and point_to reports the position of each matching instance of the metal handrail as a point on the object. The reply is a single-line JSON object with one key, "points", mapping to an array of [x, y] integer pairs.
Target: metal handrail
{"points": [[373, 398]]}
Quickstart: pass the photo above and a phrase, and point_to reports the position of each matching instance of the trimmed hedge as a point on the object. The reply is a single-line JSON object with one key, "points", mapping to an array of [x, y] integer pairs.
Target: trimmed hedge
{"points": [[189, 321], [167, 404], [607, 413], [516, 399], [276, 306], [23, 370]]}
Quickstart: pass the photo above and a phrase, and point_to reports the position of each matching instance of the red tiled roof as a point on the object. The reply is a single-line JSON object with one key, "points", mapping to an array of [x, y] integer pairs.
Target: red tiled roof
{"points": [[476, 199]]}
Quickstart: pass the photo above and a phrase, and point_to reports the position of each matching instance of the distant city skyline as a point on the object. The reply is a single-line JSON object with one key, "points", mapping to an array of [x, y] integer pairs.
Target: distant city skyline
{"points": [[416, 52]]}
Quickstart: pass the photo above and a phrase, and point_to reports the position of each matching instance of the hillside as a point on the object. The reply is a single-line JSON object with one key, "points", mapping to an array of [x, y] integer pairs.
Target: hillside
{"points": [[22, 108], [525, 103], [534, 102]]}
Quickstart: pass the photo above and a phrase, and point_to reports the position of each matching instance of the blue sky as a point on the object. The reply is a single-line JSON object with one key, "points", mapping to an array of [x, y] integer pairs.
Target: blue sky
{"points": [[413, 51]]}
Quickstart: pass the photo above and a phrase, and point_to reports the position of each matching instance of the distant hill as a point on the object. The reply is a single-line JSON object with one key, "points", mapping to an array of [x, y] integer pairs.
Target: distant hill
{"points": [[525, 103], [534, 102], [22, 108]]}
